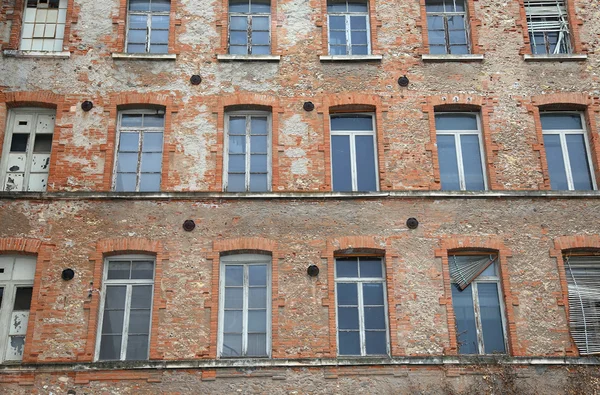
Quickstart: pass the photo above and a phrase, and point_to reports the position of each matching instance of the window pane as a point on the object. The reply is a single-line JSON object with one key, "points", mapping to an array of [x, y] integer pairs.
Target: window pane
{"points": [[237, 144], [129, 142], [238, 38], [373, 294], [23, 298], [142, 270], [376, 342], [435, 22], [341, 165], [460, 5], [578, 158], [112, 321], [139, 321], [257, 275], [232, 345], [348, 318], [125, 182], [349, 343], [358, 23], [257, 345], [151, 162], [491, 320], [437, 49], [365, 163], [115, 297], [360, 50], [233, 298], [159, 37], [457, 37], [337, 23], [337, 50], [466, 334], [238, 50], [258, 144], [19, 142], [237, 163], [458, 121], [239, 6], [434, 5], [257, 321], [237, 125], [358, 38], [160, 5], [337, 38], [159, 48], [236, 183], [260, 6], [370, 267], [141, 296], [456, 22], [258, 163], [336, 6], [150, 182], [258, 183], [459, 49], [139, 5], [137, 348], [238, 23], [357, 6], [472, 166], [152, 142], [43, 143], [563, 121], [258, 126], [232, 321], [556, 163], [448, 162], [110, 347], [136, 36], [138, 21], [437, 37], [257, 298], [260, 38], [127, 162], [136, 48], [347, 294], [374, 317], [160, 22], [118, 270], [261, 49], [346, 267], [352, 122]]}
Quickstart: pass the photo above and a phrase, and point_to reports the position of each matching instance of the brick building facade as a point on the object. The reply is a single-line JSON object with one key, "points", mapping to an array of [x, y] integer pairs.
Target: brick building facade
{"points": [[315, 130]]}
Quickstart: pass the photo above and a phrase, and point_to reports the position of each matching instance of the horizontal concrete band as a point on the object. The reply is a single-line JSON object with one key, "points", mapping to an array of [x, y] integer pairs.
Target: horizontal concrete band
{"points": [[295, 195], [479, 360]]}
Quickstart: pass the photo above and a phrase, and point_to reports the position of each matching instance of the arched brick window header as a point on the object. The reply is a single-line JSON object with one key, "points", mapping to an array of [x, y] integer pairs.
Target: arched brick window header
{"points": [[239, 252], [11, 245], [359, 251], [458, 107], [343, 108], [248, 107]]}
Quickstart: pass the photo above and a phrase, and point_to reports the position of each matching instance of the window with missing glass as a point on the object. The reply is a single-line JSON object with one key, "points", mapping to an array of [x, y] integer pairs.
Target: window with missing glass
{"points": [[477, 303], [249, 27], [460, 151], [148, 26], [567, 151], [247, 159], [349, 32], [548, 25], [126, 308], [447, 27], [140, 151], [17, 273], [245, 306], [44, 25], [362, 323], [353, 153]]}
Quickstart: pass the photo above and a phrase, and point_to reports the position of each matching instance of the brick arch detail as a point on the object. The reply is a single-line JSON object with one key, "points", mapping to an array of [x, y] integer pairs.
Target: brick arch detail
{"points": [[486, 108], [375, 245], [20, 245], [457, 243], [562, 244], [244, 244], [109, 247]]}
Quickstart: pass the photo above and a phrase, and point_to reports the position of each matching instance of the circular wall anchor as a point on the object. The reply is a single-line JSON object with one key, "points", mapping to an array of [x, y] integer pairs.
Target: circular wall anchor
{"points": [[87, 105], [189, 225], [313, 270], [67, 274], [403, 81], [308, 106], [412, 223], [195, 79]]}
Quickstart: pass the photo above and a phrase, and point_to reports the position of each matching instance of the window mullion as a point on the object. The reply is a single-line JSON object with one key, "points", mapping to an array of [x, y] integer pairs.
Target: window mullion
{"points": [[249, 35], [247, 147], [361, 320], [348, 35], [459, 161], [138, 172], [446, 33], [125, 330], [352, 138], [567, 161], [477, 313], [245, 312], [5, 312], [29, 153]]}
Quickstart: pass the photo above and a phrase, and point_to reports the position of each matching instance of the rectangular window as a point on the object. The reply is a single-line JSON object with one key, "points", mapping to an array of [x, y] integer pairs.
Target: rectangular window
{"points": [[245, 306], [583, 273], [248, 152], [16, 290], [249, 27], [139, 156], [126, 308], [148, 26], [548, 27], [349, 32], [44, 25], [460, 151], [353, 153], [361, 306], [477, 302], [447, 27], [567, 151], [27, 147]]}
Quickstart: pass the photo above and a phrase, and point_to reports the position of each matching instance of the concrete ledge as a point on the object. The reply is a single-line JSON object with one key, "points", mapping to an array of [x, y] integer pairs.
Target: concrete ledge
{"points": [[555, 58], [350, 58], [13, 53], [144, 56], [452, 58], [90, 195], [447, 361], [248, 58]]}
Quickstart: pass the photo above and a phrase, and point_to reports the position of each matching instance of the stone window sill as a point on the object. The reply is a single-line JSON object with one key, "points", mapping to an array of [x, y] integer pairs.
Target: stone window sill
{"points": [[351, 58], [144, 56], [452, 58], [13, 53], [248, 58], [555, 58]]}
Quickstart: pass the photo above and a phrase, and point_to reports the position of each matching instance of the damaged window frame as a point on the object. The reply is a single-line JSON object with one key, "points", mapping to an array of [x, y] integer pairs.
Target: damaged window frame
{"points": [[149, 14], [34, 114], [249, 29], [10, 287], [141, 130], [48, 38], [128, 283], [543, 20], [445, 15], [347, 15]]}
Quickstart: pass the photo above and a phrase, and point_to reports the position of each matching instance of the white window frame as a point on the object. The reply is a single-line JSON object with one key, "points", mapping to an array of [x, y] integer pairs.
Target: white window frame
{"points": [[141, 131], [249, 29], [128, 283], [361, 316], [149, 15], [563, 145], [12, 114], [353, 134], [457, 143], [347, 16], [477, 311], [445, 14], [248, 115], [245, 260], [536, 25], [6, 308], [59, 28]]}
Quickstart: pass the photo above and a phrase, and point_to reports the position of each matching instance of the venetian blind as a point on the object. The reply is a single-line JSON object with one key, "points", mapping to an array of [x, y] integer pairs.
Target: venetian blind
{"points": [[465, 268]]}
